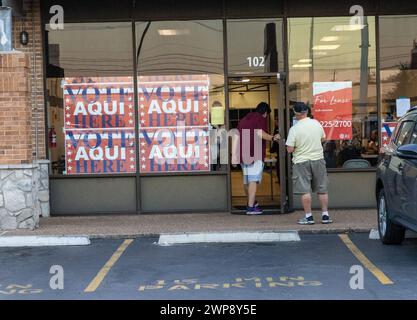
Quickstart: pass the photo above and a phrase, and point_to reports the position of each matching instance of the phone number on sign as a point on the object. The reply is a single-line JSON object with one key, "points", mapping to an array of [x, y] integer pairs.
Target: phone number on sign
{"points": [[336, 124]]}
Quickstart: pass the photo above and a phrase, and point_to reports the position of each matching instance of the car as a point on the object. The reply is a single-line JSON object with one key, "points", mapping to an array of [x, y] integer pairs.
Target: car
{"points": [[396, 182]]}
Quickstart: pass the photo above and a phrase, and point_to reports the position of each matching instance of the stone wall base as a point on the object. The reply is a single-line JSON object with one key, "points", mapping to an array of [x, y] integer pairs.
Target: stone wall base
{"points": [[24, 195], [43, 187]]}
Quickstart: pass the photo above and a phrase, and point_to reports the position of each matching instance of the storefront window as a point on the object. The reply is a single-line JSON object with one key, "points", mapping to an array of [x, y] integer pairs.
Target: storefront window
{"points": [[91, 116], [333, 69], [181, 95], [398, 60], [255, 46]]}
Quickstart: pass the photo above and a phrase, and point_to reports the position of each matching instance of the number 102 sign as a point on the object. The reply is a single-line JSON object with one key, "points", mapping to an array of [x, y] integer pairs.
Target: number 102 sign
{"points": [[256, 62]]}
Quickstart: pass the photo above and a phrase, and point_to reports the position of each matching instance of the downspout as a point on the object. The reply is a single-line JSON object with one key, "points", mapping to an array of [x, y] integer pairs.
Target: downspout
{"points": [[311, 71], [364, 63], [34, 85]]}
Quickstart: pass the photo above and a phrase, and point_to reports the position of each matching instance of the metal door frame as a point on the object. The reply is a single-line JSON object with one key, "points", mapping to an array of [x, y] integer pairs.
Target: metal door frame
{"points": [[282, 119]]}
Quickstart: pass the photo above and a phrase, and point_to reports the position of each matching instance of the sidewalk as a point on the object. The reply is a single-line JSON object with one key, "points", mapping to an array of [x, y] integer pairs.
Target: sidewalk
{"points": [[120, 226]]}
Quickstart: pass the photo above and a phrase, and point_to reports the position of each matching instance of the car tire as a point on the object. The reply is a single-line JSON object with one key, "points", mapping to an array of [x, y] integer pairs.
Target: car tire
{"points": [[389, 232]]}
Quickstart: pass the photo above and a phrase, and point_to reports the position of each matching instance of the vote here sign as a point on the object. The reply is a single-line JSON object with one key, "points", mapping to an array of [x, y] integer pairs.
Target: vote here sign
{"points": [[168, 150], [100, 151], [99, 125], [105, 102], [165, 101], [387, 129], [174, 123], [332, 107]]}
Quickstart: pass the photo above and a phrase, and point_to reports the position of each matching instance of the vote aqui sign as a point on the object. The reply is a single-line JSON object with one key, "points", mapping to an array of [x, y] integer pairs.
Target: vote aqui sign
{"points": [[174, 123], [99, 124]]}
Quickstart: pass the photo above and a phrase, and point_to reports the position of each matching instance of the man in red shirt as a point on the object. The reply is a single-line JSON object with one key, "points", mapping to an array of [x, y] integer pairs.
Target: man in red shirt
{"points": [[253, 134]]}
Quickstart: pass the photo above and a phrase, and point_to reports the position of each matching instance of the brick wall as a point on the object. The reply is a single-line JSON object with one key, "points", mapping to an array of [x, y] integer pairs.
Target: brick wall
{"points": [[15, 115], [31, 23]]}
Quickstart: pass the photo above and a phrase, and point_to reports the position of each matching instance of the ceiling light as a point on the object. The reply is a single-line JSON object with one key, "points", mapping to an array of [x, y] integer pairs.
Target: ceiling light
{"points": [[330, 38], [241, 80], [306, 65], [244, 72], [173, 32], [327, 47], [348, 27], [305, 60]]}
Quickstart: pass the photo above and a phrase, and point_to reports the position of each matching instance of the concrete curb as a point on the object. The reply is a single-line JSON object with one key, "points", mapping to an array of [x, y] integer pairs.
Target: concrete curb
{"points": [[335, 231], [155, 235], [99, 236], [228, 237], [374, 234], [43, 241]]}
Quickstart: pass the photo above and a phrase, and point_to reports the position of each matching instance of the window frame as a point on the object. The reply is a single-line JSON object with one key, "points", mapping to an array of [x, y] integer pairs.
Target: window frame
{"points": [[223, 75], [375, 102]]}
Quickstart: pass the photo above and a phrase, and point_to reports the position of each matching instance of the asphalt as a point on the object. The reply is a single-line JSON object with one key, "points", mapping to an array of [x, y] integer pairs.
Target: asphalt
{"points": [[317, 267], [120, 226]]}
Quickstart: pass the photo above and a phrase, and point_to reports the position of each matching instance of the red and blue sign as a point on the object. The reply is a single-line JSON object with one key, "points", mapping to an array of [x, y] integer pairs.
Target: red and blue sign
{"points": [[100, 151], [171, 150], [174, 123], [101, 103], [387, 129], [99, 125]]}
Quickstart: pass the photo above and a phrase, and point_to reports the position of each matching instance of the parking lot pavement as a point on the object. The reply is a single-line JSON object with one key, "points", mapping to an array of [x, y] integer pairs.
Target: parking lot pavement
{"points": [[317, 267]]}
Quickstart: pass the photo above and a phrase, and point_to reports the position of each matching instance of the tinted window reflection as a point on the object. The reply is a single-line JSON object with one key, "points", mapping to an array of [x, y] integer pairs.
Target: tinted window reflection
{"points": [[330, 59], [255, 46]]}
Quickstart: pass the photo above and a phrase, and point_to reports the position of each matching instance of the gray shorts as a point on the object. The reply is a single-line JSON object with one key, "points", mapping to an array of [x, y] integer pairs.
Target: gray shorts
{"points": [[310, 176], [253, 172]]}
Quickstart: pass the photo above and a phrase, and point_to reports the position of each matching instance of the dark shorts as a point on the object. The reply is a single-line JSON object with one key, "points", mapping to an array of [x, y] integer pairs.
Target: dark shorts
{"points": [[310, 176]]}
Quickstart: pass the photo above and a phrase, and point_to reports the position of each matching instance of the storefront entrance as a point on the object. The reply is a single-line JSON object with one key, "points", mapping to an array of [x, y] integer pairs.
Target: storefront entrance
{"points": [[244, 95], [221, 57]]}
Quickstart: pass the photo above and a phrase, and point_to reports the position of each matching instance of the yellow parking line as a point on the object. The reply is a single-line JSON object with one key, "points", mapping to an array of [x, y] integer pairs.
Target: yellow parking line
{"points": [[382, 278], [98, 279]]}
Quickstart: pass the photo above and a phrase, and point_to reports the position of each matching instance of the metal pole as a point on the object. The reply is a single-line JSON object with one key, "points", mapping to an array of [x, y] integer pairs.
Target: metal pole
{"points": [[34, 86], [364, 63]]}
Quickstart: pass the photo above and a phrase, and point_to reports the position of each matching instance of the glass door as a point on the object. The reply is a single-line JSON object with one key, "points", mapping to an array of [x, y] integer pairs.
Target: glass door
{"points": [[255, 63], [245, 93]]}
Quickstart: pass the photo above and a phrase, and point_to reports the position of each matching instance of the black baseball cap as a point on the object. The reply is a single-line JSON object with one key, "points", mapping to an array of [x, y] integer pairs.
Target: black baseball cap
{"points": [[300, 107]]}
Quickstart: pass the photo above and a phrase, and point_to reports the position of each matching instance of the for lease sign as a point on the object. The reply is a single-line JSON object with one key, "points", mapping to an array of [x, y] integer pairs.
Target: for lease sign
{"points": [[332, 107]]}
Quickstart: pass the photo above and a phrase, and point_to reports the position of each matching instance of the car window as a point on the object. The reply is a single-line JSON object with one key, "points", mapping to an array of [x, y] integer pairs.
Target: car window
{"points": [[404, 134], [395, 132], [413, 139]]}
